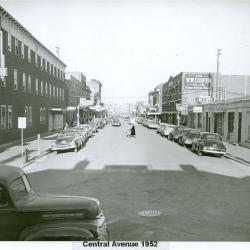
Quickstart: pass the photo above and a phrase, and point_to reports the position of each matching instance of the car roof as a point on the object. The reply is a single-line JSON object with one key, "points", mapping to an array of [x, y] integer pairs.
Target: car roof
{"points": [[9, 173]]}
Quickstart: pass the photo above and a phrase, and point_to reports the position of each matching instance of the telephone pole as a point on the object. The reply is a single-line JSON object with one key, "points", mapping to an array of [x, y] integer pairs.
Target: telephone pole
{"points": [[217, 91]]}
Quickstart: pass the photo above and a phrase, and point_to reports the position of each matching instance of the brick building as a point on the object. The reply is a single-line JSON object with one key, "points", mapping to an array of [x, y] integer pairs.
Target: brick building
{"points": [[34, 87]]}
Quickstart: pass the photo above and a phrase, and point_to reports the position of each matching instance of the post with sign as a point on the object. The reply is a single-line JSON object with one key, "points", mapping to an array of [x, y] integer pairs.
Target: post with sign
{"points": [[22, 125]]}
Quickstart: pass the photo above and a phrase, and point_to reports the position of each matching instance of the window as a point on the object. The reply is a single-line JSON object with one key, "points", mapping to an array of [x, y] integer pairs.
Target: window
{"points": [[16, 47], [36, 60], [45, 65], [24, 82], [41, 63], [29, 84], [26, 114], [29, 55], [54, 91], [9, 116], [60, 93], [41, 88], [9, 42], [15, 80], [230, 122], [50, 90], [3, 116], [46, 89], [22, 50], [30, 116], [51, 69], [49, 66], [63, 94], [37, 90], [42, 115]]}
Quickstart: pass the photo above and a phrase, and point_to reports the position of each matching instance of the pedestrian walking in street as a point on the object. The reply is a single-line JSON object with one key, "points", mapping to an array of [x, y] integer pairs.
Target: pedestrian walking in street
{"points": [[131, 132]]}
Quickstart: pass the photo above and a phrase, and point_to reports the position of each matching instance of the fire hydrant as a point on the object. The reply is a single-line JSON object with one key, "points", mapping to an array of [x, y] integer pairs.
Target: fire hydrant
{"points": [[26, 155]]}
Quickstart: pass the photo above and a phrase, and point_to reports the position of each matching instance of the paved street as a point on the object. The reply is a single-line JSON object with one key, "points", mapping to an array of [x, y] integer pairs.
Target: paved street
{"points": [[199, 198]]}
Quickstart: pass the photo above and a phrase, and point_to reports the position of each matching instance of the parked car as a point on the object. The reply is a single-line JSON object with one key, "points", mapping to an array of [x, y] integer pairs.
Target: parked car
{"points": [[68, 140], [161, 128], [187, 137], [85, 128], [168, 129], [28, 215], [152, 124], [81, 132], [116, 123], [173, 135], [210, 143]]}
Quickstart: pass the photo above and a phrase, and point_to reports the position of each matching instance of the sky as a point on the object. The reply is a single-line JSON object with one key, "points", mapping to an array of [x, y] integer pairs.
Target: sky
{"points": [[132, 46]]}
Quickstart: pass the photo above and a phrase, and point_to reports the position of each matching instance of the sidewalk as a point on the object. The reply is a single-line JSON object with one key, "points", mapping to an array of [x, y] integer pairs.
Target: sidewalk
{"points": [[12, 155], [238, 153]]}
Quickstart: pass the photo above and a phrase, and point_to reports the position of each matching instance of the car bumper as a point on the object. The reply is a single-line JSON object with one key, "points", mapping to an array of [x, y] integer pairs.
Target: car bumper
{"points": [[210, 151]]}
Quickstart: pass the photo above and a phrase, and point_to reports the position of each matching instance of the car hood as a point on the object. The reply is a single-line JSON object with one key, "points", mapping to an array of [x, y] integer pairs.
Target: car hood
{"points": [[67, 139], [210, 143], [62, 203]]}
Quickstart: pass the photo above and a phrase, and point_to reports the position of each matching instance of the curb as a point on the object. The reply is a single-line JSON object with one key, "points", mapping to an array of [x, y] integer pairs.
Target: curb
{"points": [[37, 157], [237, 160]]}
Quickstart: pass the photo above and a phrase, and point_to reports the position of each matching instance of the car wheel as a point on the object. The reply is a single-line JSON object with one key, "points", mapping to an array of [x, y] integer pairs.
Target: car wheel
{"points": [[199, 152]]}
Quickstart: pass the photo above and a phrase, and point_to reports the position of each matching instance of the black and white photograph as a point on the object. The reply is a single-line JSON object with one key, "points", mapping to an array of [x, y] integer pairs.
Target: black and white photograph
{"points": [[125, 122]]}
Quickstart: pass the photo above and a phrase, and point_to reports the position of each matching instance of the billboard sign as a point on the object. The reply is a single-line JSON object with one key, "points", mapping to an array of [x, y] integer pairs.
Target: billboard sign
{"points": [[197, 81], [197, 109]]}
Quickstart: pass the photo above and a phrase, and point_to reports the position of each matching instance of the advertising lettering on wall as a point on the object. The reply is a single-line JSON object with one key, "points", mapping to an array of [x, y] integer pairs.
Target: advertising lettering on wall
{"points": [[198, 81]]}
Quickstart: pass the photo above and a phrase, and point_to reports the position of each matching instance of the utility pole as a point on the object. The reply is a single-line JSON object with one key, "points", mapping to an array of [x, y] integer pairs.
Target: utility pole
{"points": [[217, 74]]}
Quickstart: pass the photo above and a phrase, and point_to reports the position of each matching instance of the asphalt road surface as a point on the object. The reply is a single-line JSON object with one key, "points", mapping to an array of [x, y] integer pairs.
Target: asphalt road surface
{"points": [[196, 198]]}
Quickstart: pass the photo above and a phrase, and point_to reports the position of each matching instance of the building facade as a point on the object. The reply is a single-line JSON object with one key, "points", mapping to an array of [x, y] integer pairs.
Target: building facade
{"points": [[183, 90], [231, 119], [34, 86]]}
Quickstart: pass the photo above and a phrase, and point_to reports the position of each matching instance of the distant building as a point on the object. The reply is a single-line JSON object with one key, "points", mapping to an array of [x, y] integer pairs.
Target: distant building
{"points": [[34, 86], [96, 90]]}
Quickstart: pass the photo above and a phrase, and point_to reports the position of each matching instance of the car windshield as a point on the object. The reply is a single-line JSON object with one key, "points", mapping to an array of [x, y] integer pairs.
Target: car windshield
{"points": [[20, 187], [211, 137], [192, 135]]}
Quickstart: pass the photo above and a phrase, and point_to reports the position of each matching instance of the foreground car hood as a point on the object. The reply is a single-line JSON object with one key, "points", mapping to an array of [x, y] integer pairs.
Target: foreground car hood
{"points": [[59, 203]]}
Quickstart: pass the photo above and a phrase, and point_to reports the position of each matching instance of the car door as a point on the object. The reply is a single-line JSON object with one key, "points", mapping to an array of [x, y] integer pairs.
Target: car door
{"points": [[10, 218]]}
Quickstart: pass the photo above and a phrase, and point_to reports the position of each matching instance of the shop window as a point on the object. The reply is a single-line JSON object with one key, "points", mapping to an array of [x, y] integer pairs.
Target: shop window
{"points": [[3, 116], [30, 116]]}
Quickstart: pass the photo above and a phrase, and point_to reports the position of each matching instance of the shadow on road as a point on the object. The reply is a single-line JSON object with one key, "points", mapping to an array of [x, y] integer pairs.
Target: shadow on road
{"points": [[194, 205]]}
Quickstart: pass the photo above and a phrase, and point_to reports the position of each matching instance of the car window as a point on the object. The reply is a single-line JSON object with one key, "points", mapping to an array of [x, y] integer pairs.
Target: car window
{"points": [[19, 188], [211, 137]]}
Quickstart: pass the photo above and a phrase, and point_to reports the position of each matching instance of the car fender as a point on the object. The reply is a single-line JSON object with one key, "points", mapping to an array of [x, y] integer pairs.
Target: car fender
{"points": [[55, 230]]}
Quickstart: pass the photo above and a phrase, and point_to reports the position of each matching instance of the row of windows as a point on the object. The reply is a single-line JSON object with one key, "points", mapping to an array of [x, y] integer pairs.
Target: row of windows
{"points": [[7, 118], [41, 63], [45, 88]]}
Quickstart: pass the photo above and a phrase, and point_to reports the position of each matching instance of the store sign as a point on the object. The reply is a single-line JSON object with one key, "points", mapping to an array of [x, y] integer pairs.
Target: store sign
{"points": [[85, 103], [197, 81], [21, 122], [203, 99], [197, 109]]}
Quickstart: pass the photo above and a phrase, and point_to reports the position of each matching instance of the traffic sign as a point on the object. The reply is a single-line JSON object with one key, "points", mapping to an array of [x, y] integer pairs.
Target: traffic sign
{"points": [[21, 122]]}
